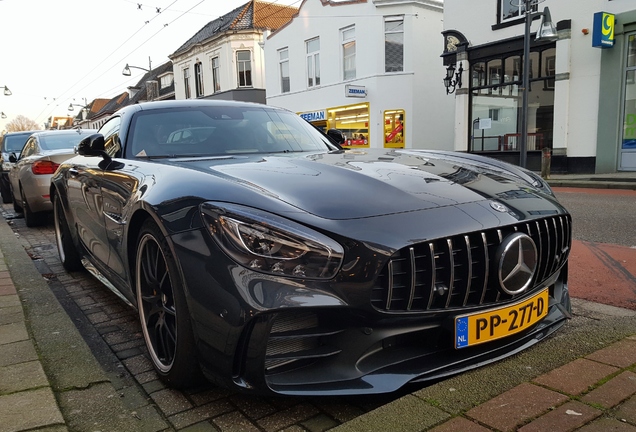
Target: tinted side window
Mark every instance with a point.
(110, 130)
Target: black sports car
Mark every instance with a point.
(270, 259)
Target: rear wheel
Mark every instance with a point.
(31, 219)
(163, 311)
(69, 255)
(6, 192)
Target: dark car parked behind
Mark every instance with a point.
(12, 142)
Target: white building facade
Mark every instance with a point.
(370, 68)
(224, 60)
(582, 94)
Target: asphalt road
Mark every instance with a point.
(601, 215)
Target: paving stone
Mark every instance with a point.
(319, 423)
(565, 418)
(407, 414)
(22, 376)
(138, 364)
(627, 410)
(621, 354)
(201, 427)
(614, 391)
(516, 406)
(459, 424)
(288, 417)
(235, 422)
(253, 407)
(39, 404)
(608, 425)
(342, 412)
(171, 401)
(11, 315)
(7, 289)
(17, 352)
(201, 413)
(576, 377)
(10, 333)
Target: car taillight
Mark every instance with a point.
(44, 167)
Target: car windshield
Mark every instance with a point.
(220, 130)
(15, 143)
(60, 141)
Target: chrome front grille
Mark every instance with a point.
(458, 271)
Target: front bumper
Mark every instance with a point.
(341, 351)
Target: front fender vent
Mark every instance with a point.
(296, 338)
(458, 271)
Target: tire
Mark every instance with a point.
(69, 256)
(7, 196)
(163, 311)
(16, 204)
(30, 218)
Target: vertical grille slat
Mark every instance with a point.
(469, 276)
(456, 271)
(413, 272)
(451, 268)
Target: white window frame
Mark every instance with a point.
(241, 69)
(186, 82)
(313, 63)
(283, 69)
(216, 74)
(387, 33)
(520, 13)
(348, 39)
(198, 79)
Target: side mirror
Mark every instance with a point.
(336, 135)
(92, 145)
(13, 158)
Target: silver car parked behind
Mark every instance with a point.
(30, 176)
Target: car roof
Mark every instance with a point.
(185, 103)
(62, 132)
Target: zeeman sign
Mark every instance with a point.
(603, 31)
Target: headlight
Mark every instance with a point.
(271, 244)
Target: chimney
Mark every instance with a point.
(152, 90)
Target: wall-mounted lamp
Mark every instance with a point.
(453, 79)
(7, 92)
(126, 71)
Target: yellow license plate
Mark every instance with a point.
(494, 324)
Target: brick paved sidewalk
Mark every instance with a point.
(594, 393)
(26, 398)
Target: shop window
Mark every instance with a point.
(349, 53)
(283, 68)
(216, 75)
(244, 68)
(186, 82)
(198, 79)
(394, 44)
(394, 128)
(353, 122)
(313, 62)
(496, 101)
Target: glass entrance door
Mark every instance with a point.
(628, 143)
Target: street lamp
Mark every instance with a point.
(126, 71)
(546, 32)
(3, 115)
(7, 92)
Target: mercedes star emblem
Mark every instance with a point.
(517, 262)
(498, 207)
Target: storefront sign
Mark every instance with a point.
(355, 91)
(603, 31)
(313, 115)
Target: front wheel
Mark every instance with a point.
(69, 256)
(163, 311)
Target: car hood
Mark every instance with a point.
(358, 184)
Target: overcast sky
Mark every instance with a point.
(53, 53)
